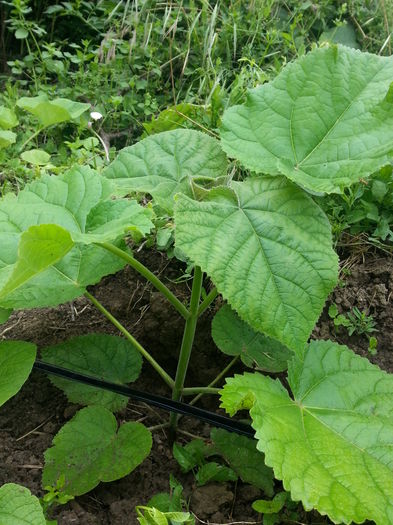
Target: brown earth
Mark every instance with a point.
(29, 421)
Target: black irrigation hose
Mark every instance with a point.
(158, 401)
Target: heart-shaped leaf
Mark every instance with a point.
(48, 231)
(325, 121)
(16, 362)
(267, 247)
(19, 507)
(105, 356)
(90, 448)
(167, 163)
(332, 444)
(235, 337)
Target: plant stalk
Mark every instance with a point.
(215, 381)
(199, 390)
(155, 281)
(168, 380)
(37, 132)
(207, 301)
(187, 342)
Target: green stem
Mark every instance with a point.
(207, 301)
(31, 138)
(199, 390)
(188, 339)
(155, 281)
(168, 380)
(215, 380)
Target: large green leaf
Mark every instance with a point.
(47, 234)
(7, 138)
(5, 314)
(325, 121)
(39, 248)
(332, 444)
(235, 337)
(16, 362)
(19, 507)
(243, 457)
(106, 356)
(168, 163)
(7, 118)
(267, 247)
(54, 111)
(37, 157)
(90, 448)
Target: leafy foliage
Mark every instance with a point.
(213, 471)
(19, 507)
(168, 163)
(90, 448)
(278, 269)
(331, 443)
(153, 516)
(45, 264)
(235, 337)
(243, 457)
(324, 122)
(16, 362)
(51, 112)
(106, 356)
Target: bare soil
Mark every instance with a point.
(29, 421)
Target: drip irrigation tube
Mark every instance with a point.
(158, 401)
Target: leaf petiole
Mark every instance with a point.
(166, 377)
(145, 272)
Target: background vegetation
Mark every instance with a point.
(131, 60)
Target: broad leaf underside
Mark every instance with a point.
(332, 444)
(168, 163)
(267, 247)
(47, 233)
(325, 122)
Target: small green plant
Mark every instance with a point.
(54, 496)
(325, 122)
(356, 322)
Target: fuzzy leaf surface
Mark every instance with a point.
(168, 163)
(105, 356)
(19, 507)
(235, 337)
(41, 222)
(16, 362)
(90, 448)
(267, 247)
(243, 457)
(332, 443)
(324, 122)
